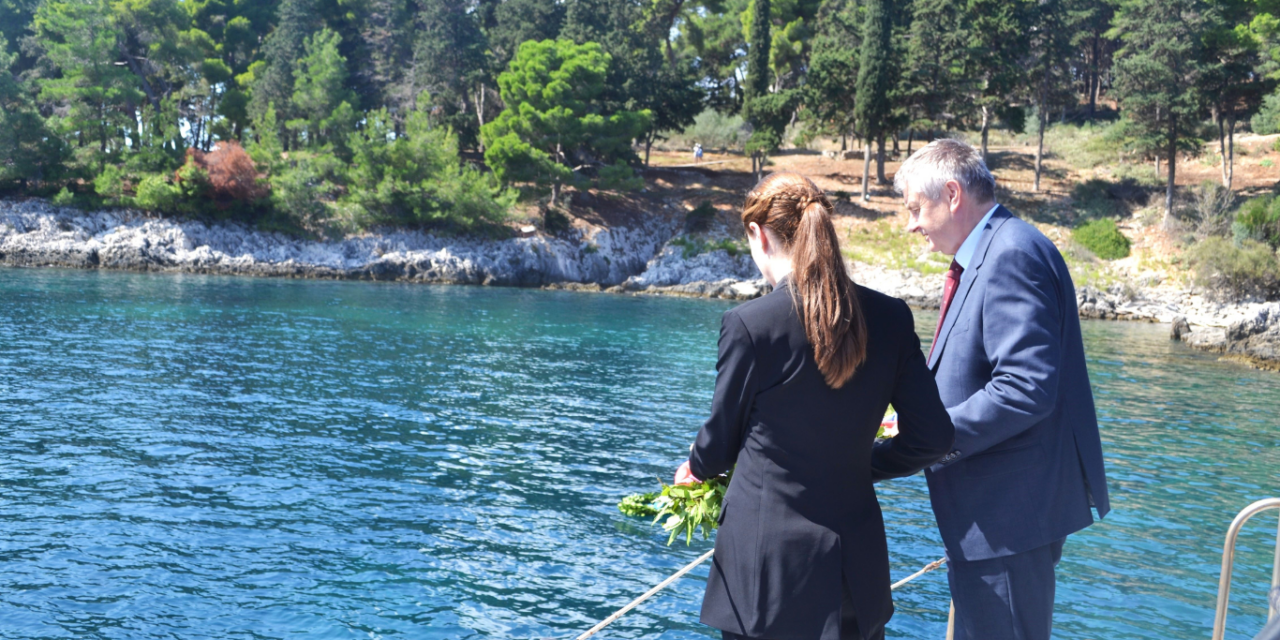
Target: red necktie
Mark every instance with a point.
(948, 292)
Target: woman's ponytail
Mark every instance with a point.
(823, 292)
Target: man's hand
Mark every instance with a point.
(684, 476)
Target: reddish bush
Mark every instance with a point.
(232, 173)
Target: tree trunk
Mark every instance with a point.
(866, 170)
(1042, 117)
(480, 113)
(1173, 166)
(896, 150)
(137, 71)
(1093, 79)
(1158, 159)
(911, 135)
(844, 142)
(1231, 149)
(880, 179)
(986, 131)
(648, 144)
(1219, 119)
(555, 185)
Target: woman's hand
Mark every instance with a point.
(684, 476)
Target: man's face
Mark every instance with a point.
(935, 220)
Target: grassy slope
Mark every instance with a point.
(874, 233)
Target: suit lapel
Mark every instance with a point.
(966, 281)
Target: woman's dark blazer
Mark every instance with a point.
(801, 515)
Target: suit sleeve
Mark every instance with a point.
(1022, 317)
(925, 433)
(716, 449)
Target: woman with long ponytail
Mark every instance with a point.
(804, 377)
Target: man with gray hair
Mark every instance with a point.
(1009, 361)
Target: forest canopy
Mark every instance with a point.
(334, 115)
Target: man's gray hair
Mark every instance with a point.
(929, 169)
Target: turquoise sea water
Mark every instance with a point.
(201, 457)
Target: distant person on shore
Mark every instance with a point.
(697, 152)
(1009, 360)
(803, 380)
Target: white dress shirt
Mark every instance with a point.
(964, 255)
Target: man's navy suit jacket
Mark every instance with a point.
(800, 519)
(1009, 361)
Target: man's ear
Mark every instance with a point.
(955, 195)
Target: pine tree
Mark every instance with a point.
(998, 37)
(876, 78)
(719, 43)
(320, 94)
(1089, 23)
(386, 36)
(510, 23)
(641, 76)
(830, 99)
(273, 81)
(449, 61)
(553, 118)
(29, 152)
(935, 57)
(759, 43)
(1158, 71)
(96, 97)
(1051, 47)
(1231, 80)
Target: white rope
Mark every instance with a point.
(703, 558)
(927, 568)
(648, 594)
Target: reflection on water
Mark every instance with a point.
(196, 457)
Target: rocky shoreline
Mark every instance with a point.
(641, 259)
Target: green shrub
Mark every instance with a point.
(1259, 219)
(418, 179)
(110, 183)
(156, 193)
(555, 222)
(193, 181)
(700, 218)
(1103, 238)
(714, 130)
(1267, 120)
(64, 198)
(303, 188)
(1229, 271)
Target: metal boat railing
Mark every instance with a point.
(1228, 562)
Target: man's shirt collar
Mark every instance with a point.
(964, 255)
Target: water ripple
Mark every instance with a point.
(200, 457)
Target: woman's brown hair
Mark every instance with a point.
(799, 213)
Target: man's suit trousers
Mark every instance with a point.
(1006, 598)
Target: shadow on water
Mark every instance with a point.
(205, 457)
